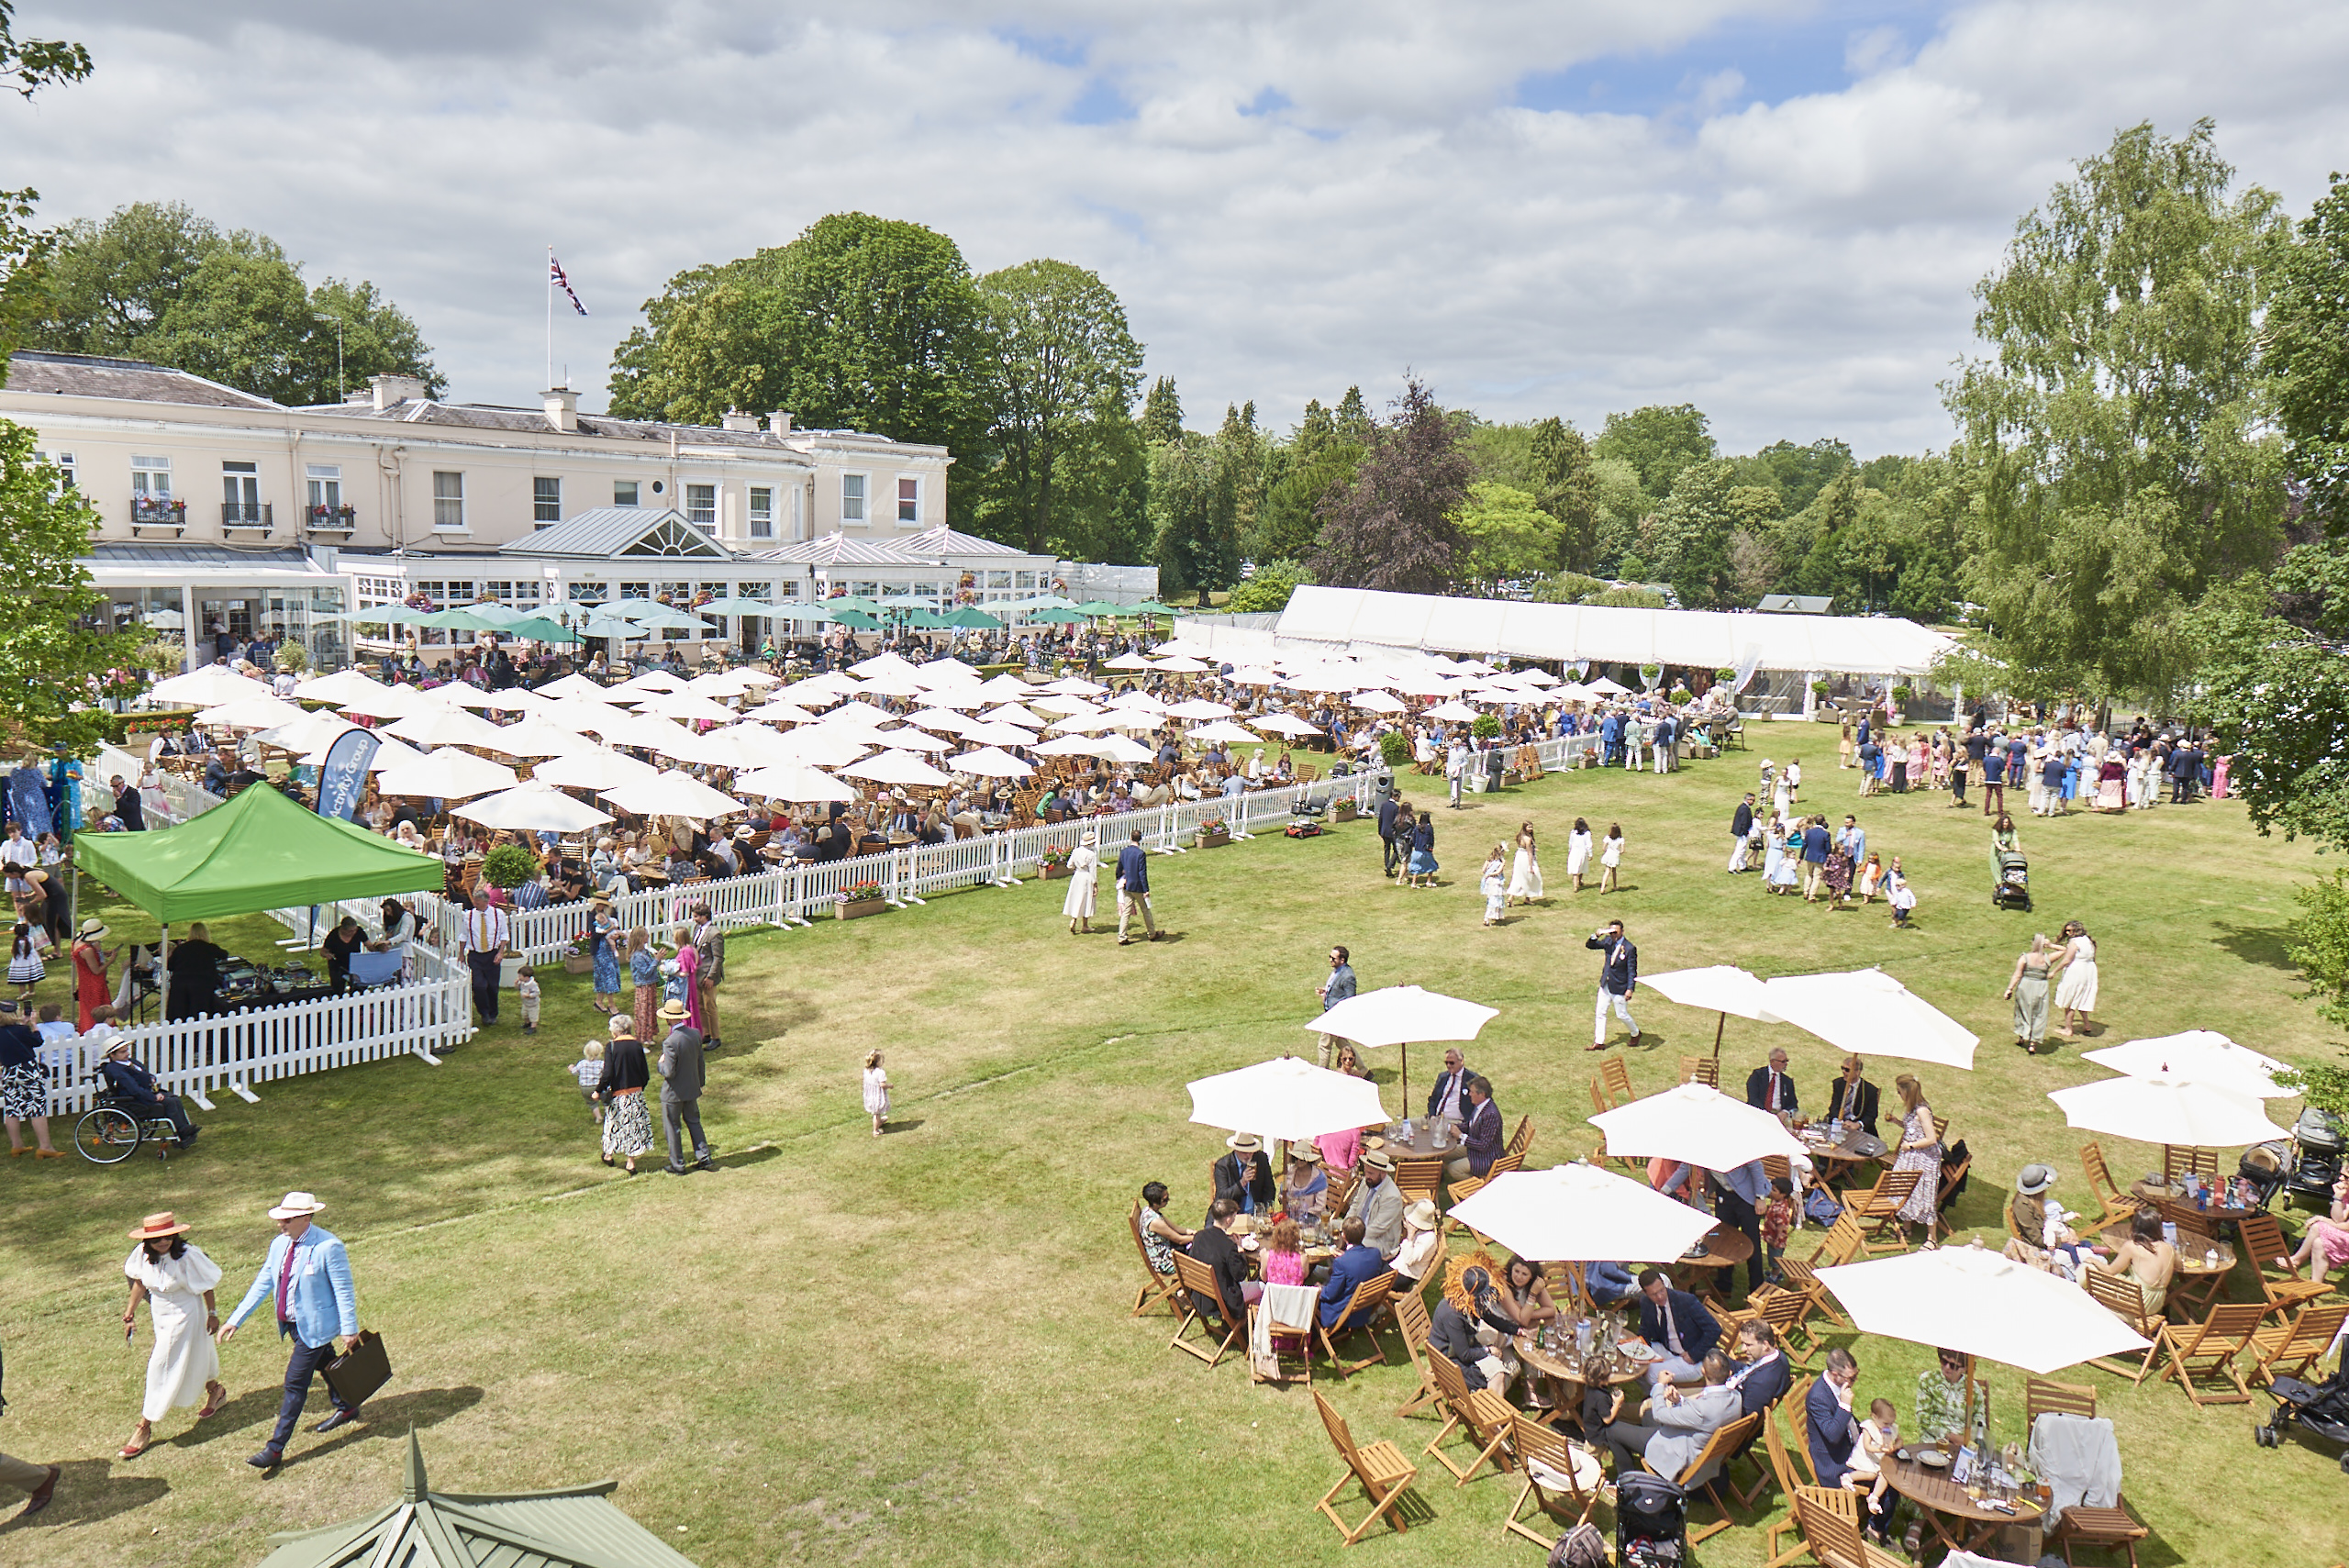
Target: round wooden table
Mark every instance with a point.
(1938, 1498)
(1725, 1247)
(2194, 1261)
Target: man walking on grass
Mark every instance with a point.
(1619, 976)
(307, 1275)
(682, 1080)
(1133, 888)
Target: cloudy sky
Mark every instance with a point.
(1771, 208)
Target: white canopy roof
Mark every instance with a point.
(1711, 638)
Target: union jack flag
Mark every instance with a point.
(562, 282)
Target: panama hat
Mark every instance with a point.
(1244, 1142)
(295, 1206)
(92, 927)
(1420, 1215)
(1305, 1149)
(158, 1225)
(1379, 1159)
(673, 1010)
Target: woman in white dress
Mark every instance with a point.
(1611, 857)
(1083, 864)
(1578, 852)
(176, 1280)
(2076, 979)
(1525, 870)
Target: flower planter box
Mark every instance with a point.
(1211, 840)
(1054, 873)
(578, 963)
(1346, 812)
(859, 908)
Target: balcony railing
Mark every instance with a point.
(339, 519)
(157, 512)
(245, 514)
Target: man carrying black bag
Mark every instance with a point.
(308, 1273)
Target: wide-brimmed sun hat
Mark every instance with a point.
(1420, 1215)
(295, 1206)
(156, 1225)
(1378, 1159)
(92, 927)
(1244, 1142)
(2035, 1179)
(673, 1010)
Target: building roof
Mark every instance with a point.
(605, 533)
(839, 549)
(576, 1527)
(942, 540)
(176, 553)
(502, 417)
(95, 375)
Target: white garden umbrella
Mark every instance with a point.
(942, 721)
(1697, 1125)
(895, 684)
(1720, 988)
(596, 769)
(1069, 746)
(389, 754)
(1283, 724)
(1978, 1302)
(538, 735)
(910, 740)
(1606, 687)
(311, 732)
(822, 747)
(1377, 702)
(572, 686)
(721, 683)
(1397, 1014)
(584, 714)
(794, 782)
(687, 707)
(1200, 708)
(1076, 685)
(988, 733)
(519, 699)
(2166, 1110)
(343, 687)
(447, 727)
(1454, 711)
(990, 763)
(1288, 1098)
(447, 775)
(674, 793)
(649, 681)
(2204, 1056)
(651, 733)
(264, 712)
(208, 687)
(1183, 665)
(758, 745)
(1002, 688)
(1141, 702)
(1126, 661)
(895, 768)
(1012, 713)
(883, 662)
(1118, 748)
(1867, 1010)
(535, 806)
(1576, 1213)
(1231, 734)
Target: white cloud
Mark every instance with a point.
(1294, 199)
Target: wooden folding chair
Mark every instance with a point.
(2119, 1295)
(1369, 1298)
(1156, 1287)
(2040, 1397)
(1289, 1366)
(1482, 1414)
(1951, 1177)
(1714, 1456)
(1559, 1478)
(2290, 1348)
(2116, 1204)
(1879, 1210)
(1420, 1176)
(1380, 1467)
(2109, 1530)
(1522, 1138)
(2179, 1161)
(1941, 1130)
(1789, 1312)
(1616, 1074)
(1411, 1319)
(1341, 1189)
(2263, 1240)
(1452, 1220)
(1843, 1242)
(2209, 1349)
(1705, 1070)
(1830, 1525)
(1198, 1284)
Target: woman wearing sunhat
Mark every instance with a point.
(603, 931)
(91, 963)
(176, 1280)
(1083, 878)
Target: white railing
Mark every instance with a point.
(185, 799)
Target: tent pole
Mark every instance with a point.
(73, 909)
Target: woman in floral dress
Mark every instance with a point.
(644, 973)
(1921, 1151)
(602, 927)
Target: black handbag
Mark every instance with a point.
(359, 1369)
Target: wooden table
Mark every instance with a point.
(1938, 1498)
(1422, 1145)
(1838, 1160)
(1725, 1247)
(2194, 1248)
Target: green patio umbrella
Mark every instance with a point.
(381, 615)
(651, 612)
(856, 618)
(612, 625)
(733, 606)
(1059, 617)
(1101, 607)
(538, 629)
(496, 614)
(973, 617)
(460, 619)
(1152, 607)
(924, 620)
(853, 602)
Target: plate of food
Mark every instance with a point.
(1932, 1459)
(1637, 1349)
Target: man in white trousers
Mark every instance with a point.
(1619, 976)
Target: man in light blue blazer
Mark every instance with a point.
(308, 1273)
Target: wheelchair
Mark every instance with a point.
(115, 1129)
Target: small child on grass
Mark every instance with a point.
(876, 1092)
(1778, 1222)
(526, 990)
(589, 1070)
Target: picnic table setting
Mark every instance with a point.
(2057, 1483)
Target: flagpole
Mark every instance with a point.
(549, 281)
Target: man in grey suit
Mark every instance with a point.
(1378, 1204)
(1678, 1425)
(680, 1085)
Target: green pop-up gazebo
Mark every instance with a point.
(259, 851)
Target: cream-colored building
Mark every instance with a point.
(235, 516)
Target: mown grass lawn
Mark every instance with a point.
(916, 1348)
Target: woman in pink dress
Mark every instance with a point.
(2219, 778)
(689, 971)
(1920, 763)
(1284, 1264)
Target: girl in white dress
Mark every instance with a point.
(2076, 979)
(876, 1092)
(1610, 856)
(1083, 866)
(1493, 884)
(1525, 872)
(1578, 852)
(176, 1280)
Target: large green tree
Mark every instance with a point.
(2118, 427)
(156, 282)
(1658, 443)
(1288, 523)
(1691, 543)
(1162, 412)
(1504, 534)
(861, 322)
(2308, 358)
(1194, 514)
(1063, 371)
(2275, 687)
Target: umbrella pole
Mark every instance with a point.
(1717, 1035)
(1407, 1079)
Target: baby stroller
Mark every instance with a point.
(1651, 1522)
(2013, 890)
(2321, 1409)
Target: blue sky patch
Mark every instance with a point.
(1776, 59)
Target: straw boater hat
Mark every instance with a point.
(1244, 1142)
(160, 1225)
(294, 1206)
(2035, 1179)
(1305, 1151)
(673, 1010)
(1420, 1215)
(92, 928)
(1378, 1159)
(745, 832)
(119, 1046)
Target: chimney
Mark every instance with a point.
(779, 423)
(563, 409)
(391, 391)
(735, 419)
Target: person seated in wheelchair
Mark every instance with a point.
(139, 1093)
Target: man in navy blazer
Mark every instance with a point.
(1676, 1323)
(1133, 889)
(1768, 1088)
(1450, 1096)
(1349, 1269)
(1829, 1426)
(1390, 805)
(1763, 1376)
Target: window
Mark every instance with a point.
(788, 591)
(240, 493)
(865, 590)
(498, 588)
(64, 464)
(1023, 579)
(851, 497)
(701, 505)
(585, 593)
(762, 592)
(150, 477)
(998, 579)
(546, 501)
(636, 590)
(623, 492)
(524, 594)
(449, 501)
(761, 512)
(909, 500)
(325, 491)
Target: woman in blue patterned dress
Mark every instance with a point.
(601, 926)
